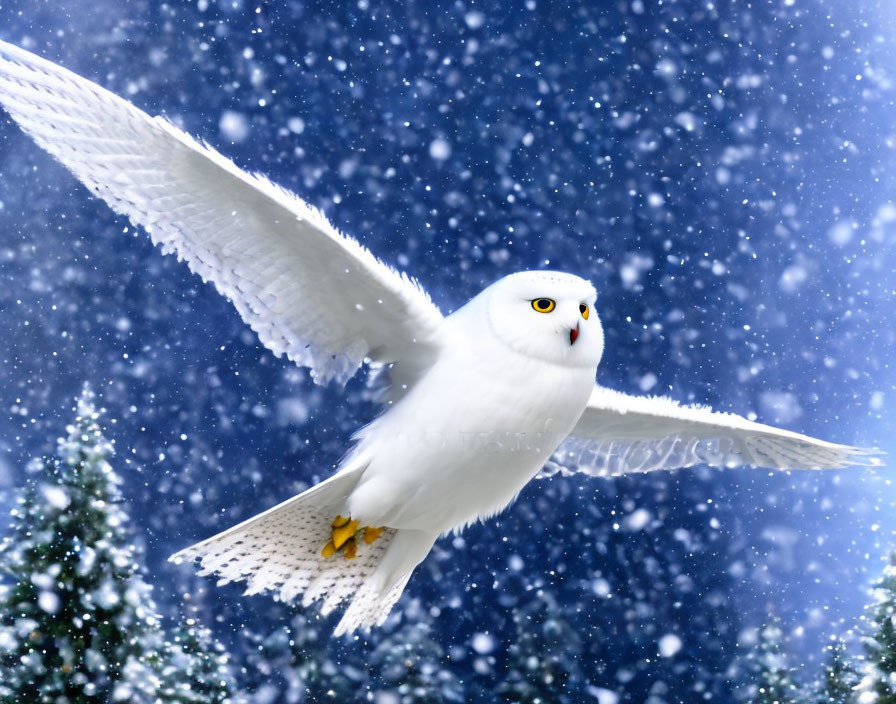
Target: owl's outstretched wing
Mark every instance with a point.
(620, 434)
(307, 290)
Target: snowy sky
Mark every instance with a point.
(724, 174)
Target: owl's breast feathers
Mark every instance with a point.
(462, 443)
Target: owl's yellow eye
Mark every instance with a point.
(583, 309)
(544, 305)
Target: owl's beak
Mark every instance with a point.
(574, 334)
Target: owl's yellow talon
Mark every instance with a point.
(343, 533)
(371, 534)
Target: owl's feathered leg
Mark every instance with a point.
(280, 551)
(374, 600)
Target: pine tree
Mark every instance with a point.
(302, 653)
(772, 681)
(77, 622)
(879, 675)
(838, 678)
(323, 678)
(196, 666)
(543, 660)
(411, 665)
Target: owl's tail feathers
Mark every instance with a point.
(280, 551)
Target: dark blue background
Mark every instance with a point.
(723, 173)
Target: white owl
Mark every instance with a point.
(478, 403)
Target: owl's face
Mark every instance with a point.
(547, 315)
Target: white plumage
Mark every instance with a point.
(277, 258)
(479, 402)
(620, 434)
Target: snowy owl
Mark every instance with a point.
(478, 401)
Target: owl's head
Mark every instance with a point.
(547, 315)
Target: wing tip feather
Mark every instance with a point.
(867, 457)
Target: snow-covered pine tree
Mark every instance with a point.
(324, 676)
(77, 621)
(878, 683)
(196, 667)
(543, 659)
(298, 662)
(838, 677)
(409, 664)
(772, 682)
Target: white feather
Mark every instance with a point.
(279, 551)
(620, 434)
(307, 290)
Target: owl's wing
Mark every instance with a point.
(620, 434)
(307, 290)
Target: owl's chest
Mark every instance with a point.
(475, 408)
(511, 392)
(469, 436)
